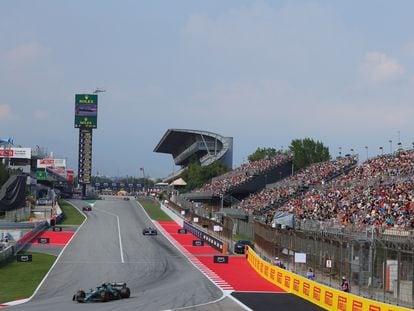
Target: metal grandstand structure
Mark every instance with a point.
(185, 144)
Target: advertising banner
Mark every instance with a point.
(220, 259)
(24, 258)
(41, 175)
(16, 153)
(324, 296)
(58, 163)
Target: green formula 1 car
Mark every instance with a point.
(103, 293)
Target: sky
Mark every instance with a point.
(262, 72)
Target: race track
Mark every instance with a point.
(110, 247)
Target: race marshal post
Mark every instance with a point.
(86, 115)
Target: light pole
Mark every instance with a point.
(143, 175)
(366, 147)
(390, 141)
(352, 151)
(382, 150)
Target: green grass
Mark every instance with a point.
(72, 217)
(154, 211)
(20, 279)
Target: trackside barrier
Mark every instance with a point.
(210, 240)
(177, 218)
(6, 253)
(20, 244)
(39, 227)
(314, 292)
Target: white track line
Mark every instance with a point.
(119, 233)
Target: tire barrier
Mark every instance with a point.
(314, 292)
(207, 238)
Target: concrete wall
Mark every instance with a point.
(177, 218)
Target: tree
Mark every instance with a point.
(262, 153)
(196, 175)
(307, 151)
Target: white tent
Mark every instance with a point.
(179, 182)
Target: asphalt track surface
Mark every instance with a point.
(159, 276)
(110, 247)
(272, 301)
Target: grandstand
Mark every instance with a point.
(360, 214)
(184, 145)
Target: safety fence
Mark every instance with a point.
(314, 292)
(209, 239)
(378, 267)
(184, 217)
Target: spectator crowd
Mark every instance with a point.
(379, 192)
(269, 199)
(222, 184)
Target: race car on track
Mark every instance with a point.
(240, 246)
(103, 293)
(86, 208)
(149, 231)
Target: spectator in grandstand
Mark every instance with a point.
(277, 262)
(345, 285)
(310, 274)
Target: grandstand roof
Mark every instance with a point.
(207, 146)
(173, 139)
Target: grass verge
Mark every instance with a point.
(20, 279)
(154, 210)
(72, 217)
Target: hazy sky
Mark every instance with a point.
(262, 72)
